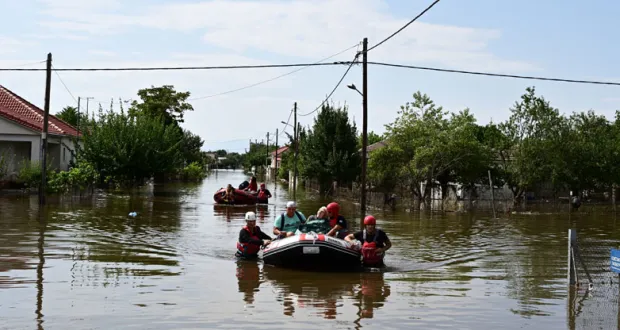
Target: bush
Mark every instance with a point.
(193, 172)
(82, 176)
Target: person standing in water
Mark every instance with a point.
(251, 238)
(374, 243)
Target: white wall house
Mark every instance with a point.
(21, 128)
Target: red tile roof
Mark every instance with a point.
(24, 113)
(280, 151)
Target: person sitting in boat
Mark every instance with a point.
(287, 223)
(253, 187)
(374, 243)
(263, 193)
(336, 221)
(318, 223)
(251, 238)
(229, 194)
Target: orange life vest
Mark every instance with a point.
(262, 194)
(369, 251)
(247, 249)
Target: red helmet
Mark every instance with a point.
(262, 185)
(370, 220)
(333, 207)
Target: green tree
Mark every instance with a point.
(329, 151)
(132, 148)
(190, 148)
(69, 115)
(163, 102)
(535, 138)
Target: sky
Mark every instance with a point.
(553, 38)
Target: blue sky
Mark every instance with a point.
(569, 39)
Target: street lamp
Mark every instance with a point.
(285, 123)
(352, 86)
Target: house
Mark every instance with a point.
(21, 130)
(277, 161)
(373, 147)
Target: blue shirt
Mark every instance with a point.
(290, 224)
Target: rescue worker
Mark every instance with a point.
(229, 194)
(263, 193)
(253, 187)
(336, 221)
(374, 243)
(251, 238)
(286, 224)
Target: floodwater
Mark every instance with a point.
(85, 264)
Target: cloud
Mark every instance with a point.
(611, 99)
(12, 45)
(300, 28)
(104, 53)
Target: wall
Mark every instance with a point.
(14, 153)
(61, 149)
(10, 131)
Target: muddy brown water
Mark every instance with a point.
(85, 264)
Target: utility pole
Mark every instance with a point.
(295, 129)
(275, 175)
(77, 148)
(48, 85)
(364, 128)
(267, 159)
(88, 99)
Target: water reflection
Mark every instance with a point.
(249, 279)
(326, 292)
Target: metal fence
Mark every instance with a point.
(593, 301)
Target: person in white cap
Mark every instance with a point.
(286, 224)
(251, 238)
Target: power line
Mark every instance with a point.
(404, 26)
(27, 64)
(336, 87)
(221, 67)
(63, 83)
(496, 74)
(271, 79)
(287, 121)
(331, 64)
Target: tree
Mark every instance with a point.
(535, 141)
(130, 149)
(190, 148)
(329, 150)
(163, 102)
(69, 115)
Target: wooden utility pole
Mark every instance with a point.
(48, 85)
(275, 175)
(77, 148)
(364, 129)
(267, 159)
(296, 139)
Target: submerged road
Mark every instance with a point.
(81, 264)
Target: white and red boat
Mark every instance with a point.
(313, 252)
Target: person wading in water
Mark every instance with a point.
(251, 238)
(374, 243)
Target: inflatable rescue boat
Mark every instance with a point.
(241, 197)
(312, 251)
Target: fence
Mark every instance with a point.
(457, 199)
(593, 288)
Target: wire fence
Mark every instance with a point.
(593, 301)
